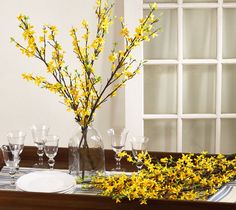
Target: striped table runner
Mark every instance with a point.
(226, 194)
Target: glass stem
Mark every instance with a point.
(139, 165)
(40, 160)
(51, 163)
(12, 175)
(40, 153)
(118, 165)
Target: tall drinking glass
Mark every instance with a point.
(39, 134)
(139, 145)
(118, 138)
(51, 148)
(11, 161)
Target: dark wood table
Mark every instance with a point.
(12, 200)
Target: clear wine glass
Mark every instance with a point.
(39, 133)
(16, 143)
(51, 148)
(11, 161)
(139, 144)
(118, 138)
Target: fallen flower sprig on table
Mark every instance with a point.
(191, 177)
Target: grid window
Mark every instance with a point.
(187, 100)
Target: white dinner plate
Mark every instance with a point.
(46, 181)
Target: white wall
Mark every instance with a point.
(23, 104)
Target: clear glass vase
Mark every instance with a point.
(86, 154)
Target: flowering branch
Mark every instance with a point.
(191, 177)
(82, 91)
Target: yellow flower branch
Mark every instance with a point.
(83, 91)
(191, 177)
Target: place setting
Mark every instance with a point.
(39, 178)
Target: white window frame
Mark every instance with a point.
(134, 104)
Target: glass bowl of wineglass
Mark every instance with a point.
(39, 133)
(16, 141)
(51, 148)
(139, 145)
(118, 138)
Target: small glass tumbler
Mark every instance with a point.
(51, 148)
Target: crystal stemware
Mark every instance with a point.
(11, 161)
(39, 133)
(51, 148)
(16, 143)
(139, 145)
(118, 138)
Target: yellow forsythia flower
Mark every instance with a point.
(27, 76)
(153, 6)
(38, 80)
(84, 23)
(112, 57)
(125, 32)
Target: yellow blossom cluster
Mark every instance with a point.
(28, 35)
(191, 177)
(82, 90)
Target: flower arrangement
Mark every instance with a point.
(191, 177)
(83, 91)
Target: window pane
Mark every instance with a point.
(160, 1)
(162, 134)
(160, 89)
(199, 86)
(165, 45)
(228, 133)
(197, 1)
(198, 135)
(199, 33)
(229, 33)
(229, 88)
